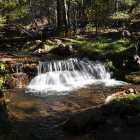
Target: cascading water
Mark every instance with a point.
(69, 74)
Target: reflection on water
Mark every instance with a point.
(43, 117)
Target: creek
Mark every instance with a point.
(60, 89)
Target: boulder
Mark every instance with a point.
(130, 91)
(63, 50)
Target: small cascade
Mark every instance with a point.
(19, 67)
(20, 77)
(18, 70)
(70, 74)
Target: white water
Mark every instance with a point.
(70, 74)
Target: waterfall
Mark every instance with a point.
(69, 74)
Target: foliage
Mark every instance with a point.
(129, 99)
(120, 15)
(3, 75)
(92, 11)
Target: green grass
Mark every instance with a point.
(115, 52)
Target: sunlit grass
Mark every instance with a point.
(129, 99)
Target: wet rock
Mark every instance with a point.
(63, 50)
(19, 80)
(80, 121)
(30, 69)
(129, 110)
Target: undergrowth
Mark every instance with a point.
(3, 75)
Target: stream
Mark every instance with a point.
(43, 118)
(41, 109)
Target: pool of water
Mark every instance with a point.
(43, 118)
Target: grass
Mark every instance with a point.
(116, 53)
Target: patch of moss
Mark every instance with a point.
(129, 99)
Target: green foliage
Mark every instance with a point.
(129, 99)
(120, 15)
(2, 68)
(3, 75)
(127, 2)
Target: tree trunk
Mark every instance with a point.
(65, 16)
(68, 13)
(97, 20)
(59, 16)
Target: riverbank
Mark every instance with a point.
(118, 119)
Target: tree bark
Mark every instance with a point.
(68, 13)
(59, 16)
(65, 16)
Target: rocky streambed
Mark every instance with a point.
(50, 117)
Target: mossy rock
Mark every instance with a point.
(133, 77)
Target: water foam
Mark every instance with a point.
(70, 74)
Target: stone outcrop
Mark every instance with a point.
(17, 80)
(63, 50)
